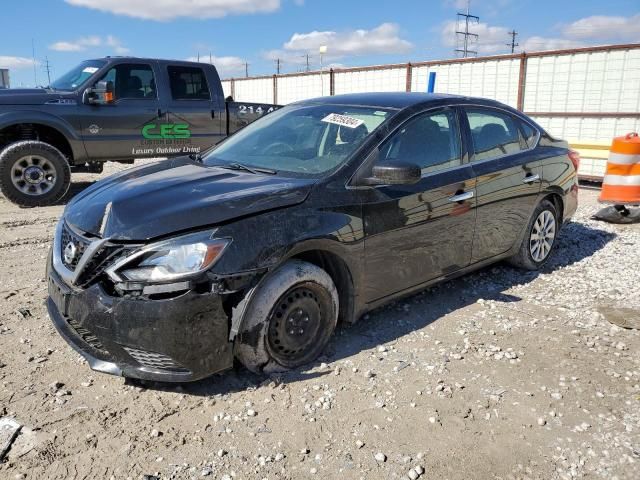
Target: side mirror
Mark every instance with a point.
(100, 94)
(396, 173)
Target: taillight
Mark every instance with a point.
(575, 158)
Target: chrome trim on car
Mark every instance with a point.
(71, 277)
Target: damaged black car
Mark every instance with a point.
(312, 215)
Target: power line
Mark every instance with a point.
(465, 36)
(513, 43)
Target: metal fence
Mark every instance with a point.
(585, 95)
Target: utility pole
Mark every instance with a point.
(246, 69)
(278, 63)
(210, 59)
(513, 43)
(465, 36)
(47, 67)
(308, 64)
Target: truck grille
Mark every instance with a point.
(156, 361)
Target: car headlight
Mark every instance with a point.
(169, 260)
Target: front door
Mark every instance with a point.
(116, 131)
(508, 175)
(416, 233)
(192, 108)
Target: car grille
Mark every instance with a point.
(88, 337)
(71, 238)
(156, 361)
(99, 261)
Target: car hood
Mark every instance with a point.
(32, 96)
(175, 195)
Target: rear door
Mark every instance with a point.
(115, 131)
(509, 179)
(416, 233)
(194, 107)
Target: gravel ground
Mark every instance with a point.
(500, 374)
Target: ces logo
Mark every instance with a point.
(152, 131)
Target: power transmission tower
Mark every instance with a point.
(464, 37)
(47, 67)
(513, 43)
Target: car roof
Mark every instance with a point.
(400, 100)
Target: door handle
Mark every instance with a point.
(461, 197)
(531, 178)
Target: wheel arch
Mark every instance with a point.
(15, 126)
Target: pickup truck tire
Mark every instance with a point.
(288, 318)
(33, 173)
(540, 238)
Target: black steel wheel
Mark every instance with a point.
(288, 318)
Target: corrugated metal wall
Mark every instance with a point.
(586, 95)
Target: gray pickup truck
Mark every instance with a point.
(110, 109)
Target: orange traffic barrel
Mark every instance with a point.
(621, 184)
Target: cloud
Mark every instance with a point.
(84, 43)
(225, 65)
(16, 63)
(163, 10)
(383, 39)
(533, 44)
(602, 27)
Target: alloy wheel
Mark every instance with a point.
(33, 175)
(543, 235)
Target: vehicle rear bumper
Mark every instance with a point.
(173, 340)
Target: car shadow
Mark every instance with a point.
(397, 319)
(74, 189)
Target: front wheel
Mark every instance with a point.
(288, 318)
(540, 238)
(33, 173)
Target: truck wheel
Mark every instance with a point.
(541, 236)
(33, 173)
(288, 320)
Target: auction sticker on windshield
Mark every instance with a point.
(343, 120)
(90, 69)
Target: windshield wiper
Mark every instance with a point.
(240, 166)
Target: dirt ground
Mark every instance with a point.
(500, 374)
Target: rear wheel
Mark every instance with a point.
(33, 173)
(540, 238)
(288, 318)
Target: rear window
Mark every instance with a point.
(495, 134)
(188, 83)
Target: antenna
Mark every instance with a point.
(513, 43)
(464, 36)
(33, 58)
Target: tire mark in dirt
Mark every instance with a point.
(25, 241)
(24, 223)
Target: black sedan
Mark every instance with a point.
(314, 214)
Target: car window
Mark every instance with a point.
(530, 134)
(494, 134)
(132, 81)
(301, 140)
(431, 140)
(188, 83)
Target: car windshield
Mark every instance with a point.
(77, 76)
(302, 140)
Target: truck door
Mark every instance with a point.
(116, 131)
(194, 107)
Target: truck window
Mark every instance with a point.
(132, 80)
(188, 83)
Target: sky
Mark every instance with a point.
(233, 33)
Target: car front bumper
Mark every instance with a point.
(181, 339)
